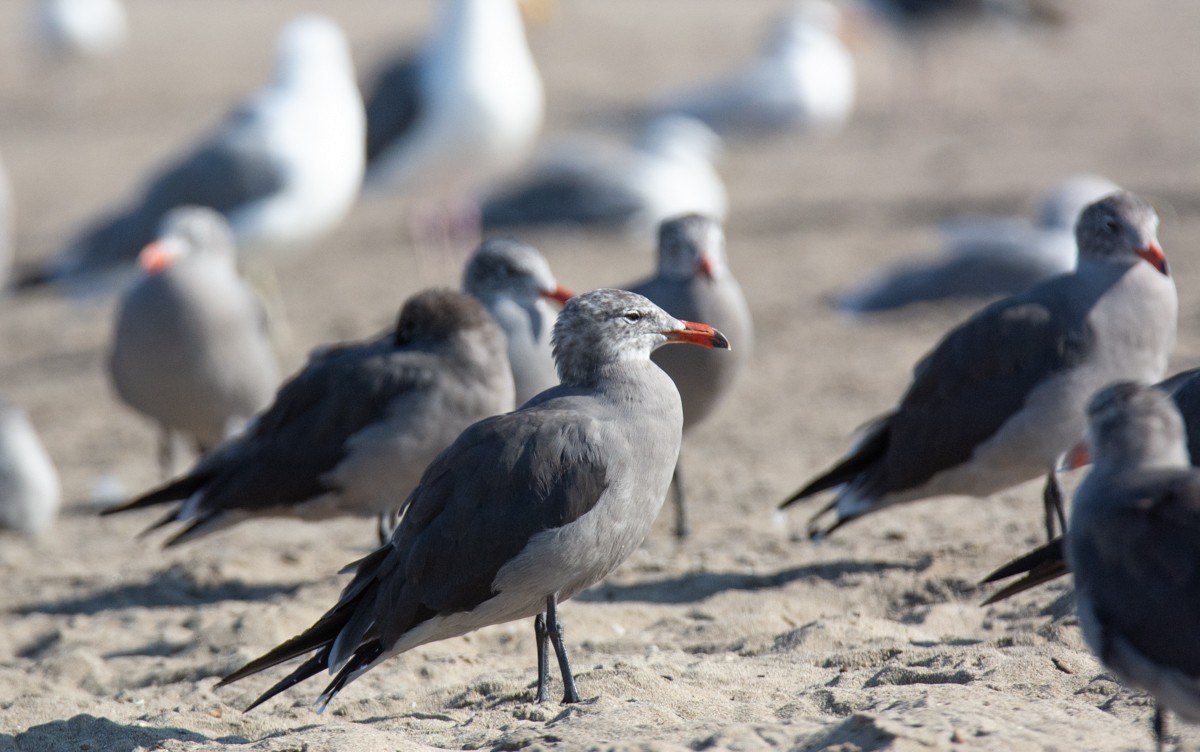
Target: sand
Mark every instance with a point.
(746, 637)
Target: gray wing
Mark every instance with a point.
(304, 434)
(394, 104)
(564, 195)
(229, 171)
(964, 391)
(1140, 566)
(504, 480)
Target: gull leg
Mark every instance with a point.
(1160, 726)
(385, 527)
(542, 638)
(679, 500)
(168, 455)
(555, 630)
(1052, 502)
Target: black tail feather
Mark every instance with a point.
(362, 657)
(861, 458)
(176, 490)
(308, 669)
(1045, 563)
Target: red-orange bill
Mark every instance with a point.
(698, 334)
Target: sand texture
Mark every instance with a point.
(746, 637)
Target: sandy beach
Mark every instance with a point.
(747, 636)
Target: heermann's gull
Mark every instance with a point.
(667, 171)
(351, 433)
(523, 510)
(283, 168)
(693, 281)
(1048, 561)
(78, 28)
(513, 281)
(1002, 396)
(802, 79)
(1132, 545)
(29, 490)
(190, 348)
(466, 108)
(984, 257)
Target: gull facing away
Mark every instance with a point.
(351, 432)
(514, 283)
(1048, 561)
(284, 168)
(803, 79)
(1002, 396)
(984, 257)
(667, 171)
(464, 109)
(693, 281)
(523, 510)
(190, 347)
(1133, 546)
(30, 494)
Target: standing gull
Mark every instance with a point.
(78, 28)
(667, 171)
(803, 79)
(523, 510)
(1133, 545)
(351, 433)
(693, 281)
(30, 494)
(984, 257)
(465, 109)
(1002, 396)
(1048, 561)
(283, 168)
(190, 348)
(514, 282)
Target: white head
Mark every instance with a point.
(1060, 208)
(679, 136)
(506, 267)
(689, 246)
(1120, 228)
(312, 47)
(189, 232)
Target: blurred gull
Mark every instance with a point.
(78, 28)
(284, 168)
(351, 433)
(803, 78)
(29, 490)
(666, 172)
(463, 110)
(514, 283)
(917, 16)
(190, 348)
(984, 257)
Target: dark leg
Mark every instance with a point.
(385, 528)
(543, 651)
(555, 630)
(679, 499)
(1160, 726)
(1052, 501)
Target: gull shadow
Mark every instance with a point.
(172, 587)
(696, 586)
(89, 732)
(859, 732)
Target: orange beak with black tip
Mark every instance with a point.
(559, 294)
(697, 334)
(1154, 255)
(1079, 456)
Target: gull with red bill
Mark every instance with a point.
(693, 280)
(1001, 398)
(523, 510)
(515, 285)
(190, 349)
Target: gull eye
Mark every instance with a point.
(633, 315)
(1112, 226)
